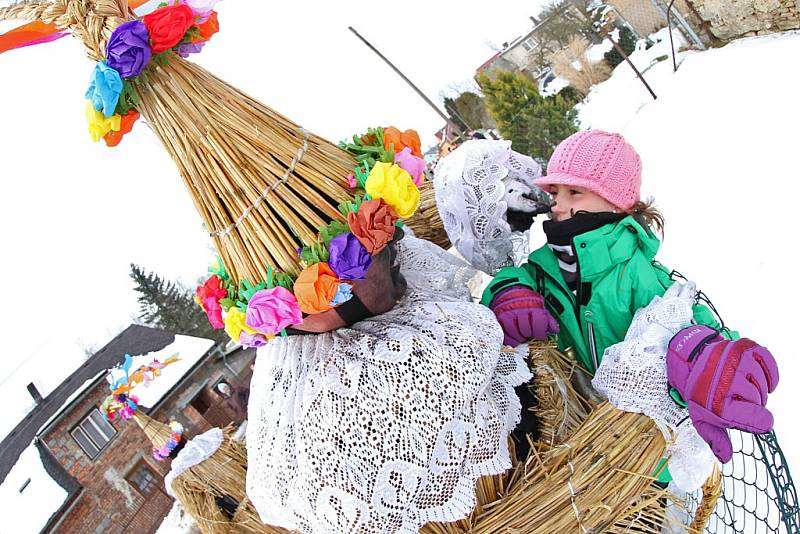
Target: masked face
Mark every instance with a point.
(378, 293)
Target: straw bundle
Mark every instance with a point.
(261, 184)
(426, 223)
(222, 475)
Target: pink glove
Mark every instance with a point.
(522, 315)
(725, 384)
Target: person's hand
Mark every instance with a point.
(724, 382)
(522, 315)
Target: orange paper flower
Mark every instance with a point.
(373, 225)
(207, 29)
(113, 138)
(394, 137)
(315, 288)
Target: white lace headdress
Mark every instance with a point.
(475, 185)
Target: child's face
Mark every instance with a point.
(569, 200)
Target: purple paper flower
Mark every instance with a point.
(184, 49)
(348, 257)
(128, 50)
(252, 340)
(343, 293)
(412, 164)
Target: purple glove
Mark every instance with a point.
(725, 384)
(522, 315)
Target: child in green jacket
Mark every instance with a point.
(598, 268)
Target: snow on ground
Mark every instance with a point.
(188, 349)
(614, 102)
(719, 150)
(177, 521)
(38, 501)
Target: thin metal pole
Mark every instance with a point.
(624, 55)
(405, 78)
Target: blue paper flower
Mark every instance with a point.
(343, 293)
(104, 88)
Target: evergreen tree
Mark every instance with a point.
(170, 306)
(452, 112)
(627, 41)
(534, 124)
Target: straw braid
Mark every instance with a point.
(91, 21)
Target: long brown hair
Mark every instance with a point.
(646, 212)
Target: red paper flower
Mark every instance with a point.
(167, 26)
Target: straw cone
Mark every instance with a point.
(261, 184)
(426, 223)
(157, 432)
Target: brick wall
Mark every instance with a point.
(730, 20)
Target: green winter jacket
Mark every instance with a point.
(618, 275)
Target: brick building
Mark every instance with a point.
(110, 481)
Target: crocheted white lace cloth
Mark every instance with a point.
(386, 425)
(475, 185)
(633, 377)
(196, 450)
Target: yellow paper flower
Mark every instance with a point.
(234, 324)
(395, 186)
(99, 124)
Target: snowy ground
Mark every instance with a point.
(718, 148)
(177, 522)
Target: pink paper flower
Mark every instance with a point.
(214, 312)
(412, 164)
(351, 181)
(201, 8)
(271, 310)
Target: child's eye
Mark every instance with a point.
(574, 192)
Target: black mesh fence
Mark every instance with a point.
(758, 494)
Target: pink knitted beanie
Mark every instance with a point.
(599, 161)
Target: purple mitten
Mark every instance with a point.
(724, 382)
(522, 315)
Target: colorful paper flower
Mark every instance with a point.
(351, 181)
(212, 288)
(235, 324)
(269, 311)
(348, 258)
(412, 164)
(253, 340)
(343, 293)
(397, 140)
(186, 49)
(167, 26)
(128, 50)
(105, 87)
(315, 288)
(99, 124)
(207, 29)
(114, 137)
(202, 9)
(214, 312)
(394, 186)
(373, 225)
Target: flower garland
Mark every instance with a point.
(385, 181)
(182, 28)
(175, 435)
(120, 403)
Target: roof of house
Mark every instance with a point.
(135, 339)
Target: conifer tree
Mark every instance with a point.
(170, 306)
(534, 124)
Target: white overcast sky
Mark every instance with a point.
(75, 214)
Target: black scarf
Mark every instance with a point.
(560, 236)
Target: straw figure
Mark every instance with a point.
(265, 188)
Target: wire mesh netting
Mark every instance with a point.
(758, 495)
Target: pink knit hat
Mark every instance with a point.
(599, 161)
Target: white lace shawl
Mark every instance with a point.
(471, 185)
(633, 377)
(386, 425)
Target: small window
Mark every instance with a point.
(143, 479)
(93, 433)
(528, 44)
